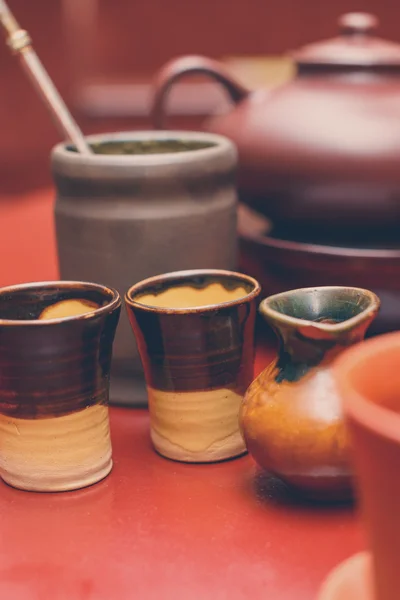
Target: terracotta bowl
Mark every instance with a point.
(281, 265)
(368, 380)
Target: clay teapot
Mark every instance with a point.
(322, 150)
(291, 417)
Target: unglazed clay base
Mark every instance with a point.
(351, 580)
(200, 426)
(56, 454)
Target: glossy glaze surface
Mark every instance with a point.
(55, 385)
(198, 359)
(291, 417)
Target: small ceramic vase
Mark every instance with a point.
(195, 334)
(368, 380)
(55, 355)
(291, 416)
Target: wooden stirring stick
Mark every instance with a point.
(20, 43)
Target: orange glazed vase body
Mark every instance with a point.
(291, 417)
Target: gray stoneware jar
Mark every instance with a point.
(167, 204)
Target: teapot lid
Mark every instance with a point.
(356, 45)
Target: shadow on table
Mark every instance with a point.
(272, 491)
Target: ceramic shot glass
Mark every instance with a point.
(368, 379)
(54, 385)
(195, 335)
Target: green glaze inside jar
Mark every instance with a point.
(140, 147)
(313, 325)
(329, 305)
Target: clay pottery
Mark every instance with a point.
(195, 334)
(291, 416)
(368, 380)
(55, 354)
(321, 150)
(142, 204)
(281, 264)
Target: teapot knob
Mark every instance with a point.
(358, 23)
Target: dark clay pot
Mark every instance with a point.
(322, 150)
(143, 204)
(291, 417)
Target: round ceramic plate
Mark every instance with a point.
(350, 580)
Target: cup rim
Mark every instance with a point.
(113, 303)
(187, 274)
(267, 311)
(378, 419)
(218, 144)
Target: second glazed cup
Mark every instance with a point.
(195, 334)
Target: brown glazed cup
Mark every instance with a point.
(195, 334)
(368, 379)
(54, 373)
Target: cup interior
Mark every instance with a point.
(192, 290)
(150, 146)
(322, 305)
(27, 302)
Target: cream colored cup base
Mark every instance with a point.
(56, 454)
(201, 426)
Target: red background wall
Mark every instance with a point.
(134, 39)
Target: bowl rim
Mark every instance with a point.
(307, 248)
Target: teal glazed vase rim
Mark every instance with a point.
(40, 286)
(275, 316)
(188, 275)
(375, 417)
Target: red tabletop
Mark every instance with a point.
(155, 529)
